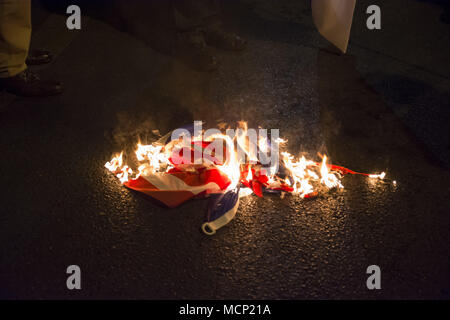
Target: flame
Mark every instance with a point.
(230, 167)
(327, 178)
(154, 155)
(304, 176)
(250, 174)
(243, 141)
(116, 166)
(299, 174)
(154, 158)
(263, 145)
(115, 163)
(303, 173)
(378, 176)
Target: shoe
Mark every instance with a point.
(28, 84)
(37, 57)
(218, 38)
(192, 50)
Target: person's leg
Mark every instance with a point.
(197, 13)
(151, 21)
(188, 45)
(154, 22)
(15, 34)
(205, 15)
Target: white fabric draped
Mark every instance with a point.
(333, 19)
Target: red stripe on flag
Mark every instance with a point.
(171, 198)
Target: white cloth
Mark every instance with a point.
(333, 19)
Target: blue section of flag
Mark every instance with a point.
(221, 203)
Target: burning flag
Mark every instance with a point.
(223, 168)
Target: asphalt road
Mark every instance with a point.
(59, 206)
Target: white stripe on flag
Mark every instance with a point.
(164, 181)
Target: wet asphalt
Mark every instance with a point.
(59, 205)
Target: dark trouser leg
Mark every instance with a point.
(152, 21)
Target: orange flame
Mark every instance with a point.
(304, 175)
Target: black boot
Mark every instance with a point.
(38, 56)
(28, 84)
(192, 50)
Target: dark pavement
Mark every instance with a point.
(381, 107)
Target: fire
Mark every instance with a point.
(246, 168)
(327, 178)
(299, 174)
(378, 176)
(250, 174)
(231, 167)
(303, 177)
(116, 166)
(115, 163)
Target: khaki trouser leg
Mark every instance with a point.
(15, 33)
